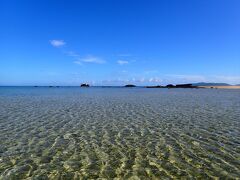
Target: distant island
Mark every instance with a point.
(130, 85)
(210, 84)
(174, 86)
(85, 85)
(169, 86)
(199, 85)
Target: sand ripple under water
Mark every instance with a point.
(137, 133)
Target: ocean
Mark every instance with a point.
(124, 133)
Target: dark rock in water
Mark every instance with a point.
(50, 86)
(129, 85)
(170, 86)
(35, 86)
(185, 86)
(84, 85)
(155, 86)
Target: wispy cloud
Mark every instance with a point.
(57, 43)
(186, 78)
(72, 54)
(93, 59)
(124, 55)
(151, 72)
(132, 80)
(155, 79)
(227, 79)
(76, 56)
(90, 59)
(122, 62)
(78, 62)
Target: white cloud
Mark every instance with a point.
(92, 59)
(79, 61)
(132, 80)
(122, 62)
(57, 43)
(155, 79)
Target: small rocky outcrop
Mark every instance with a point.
(130, 85)
(185, 86)
(85, 85)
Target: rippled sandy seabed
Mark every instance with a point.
(67, 133)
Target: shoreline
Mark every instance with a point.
(148, 87)
(220, 87)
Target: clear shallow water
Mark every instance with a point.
(51, 133)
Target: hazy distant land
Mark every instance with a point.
(217, 85)
(189, 85)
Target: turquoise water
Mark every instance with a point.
(124, 133)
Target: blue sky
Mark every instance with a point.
(114, 42)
